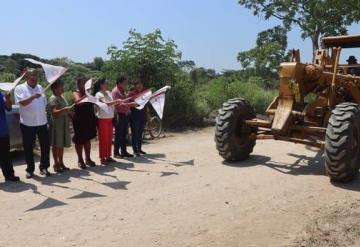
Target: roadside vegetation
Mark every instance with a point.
(196, 92)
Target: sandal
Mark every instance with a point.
(90, 163)
(81, 164)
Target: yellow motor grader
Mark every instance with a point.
(317, 105)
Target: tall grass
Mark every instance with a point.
(188, 104)
(218, 91)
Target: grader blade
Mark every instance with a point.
(282, 114)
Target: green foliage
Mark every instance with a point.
(202, 75)
(7, 77)
(186, 65)
(315, 18)
(269, 52)
(195, 92)
(182, 105)
(219, 90)
(147, 57)
(15, 63)
(98, 63)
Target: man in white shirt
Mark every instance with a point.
(33, 122)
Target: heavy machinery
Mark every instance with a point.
(317, 105)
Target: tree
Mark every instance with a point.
(316, 18)
(98, 63)
(269, 52)
(148, 57)
(202, 75)
(186, 65)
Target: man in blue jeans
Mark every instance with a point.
(122, 119)
(33, 122)
(5, 161)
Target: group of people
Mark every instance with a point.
(49, 120)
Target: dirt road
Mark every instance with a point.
(181, 194)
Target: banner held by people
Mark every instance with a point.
(157, 100)
(52, 72)
(10, 86)
(92, 99)
(142, 99)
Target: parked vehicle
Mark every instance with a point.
(13, 120)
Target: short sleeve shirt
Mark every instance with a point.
(33, 114)
(100, 112)
(4, 131)
(119, 93)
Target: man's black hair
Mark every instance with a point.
(56, 84)
(120, 79)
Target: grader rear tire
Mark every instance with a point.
(342, 143)
(232, 135)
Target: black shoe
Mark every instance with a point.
(45, 172)
(127, 155)
(81, 164)
(110, 160)
(12, 179)
(29, 174)
(117, 156)
(104, 162)
(90, 163)
(142, 152)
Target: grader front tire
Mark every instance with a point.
(342, 143)
(232, 136)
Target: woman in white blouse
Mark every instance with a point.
(105, 115)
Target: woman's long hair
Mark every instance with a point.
(97, 85)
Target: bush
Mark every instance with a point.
(181, 107)
(187, 104)
(220, 90)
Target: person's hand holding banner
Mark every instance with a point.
(156, 99)
(142, 99)
(92, 99)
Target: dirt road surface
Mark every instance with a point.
(181, 194)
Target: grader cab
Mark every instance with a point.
(317, 105)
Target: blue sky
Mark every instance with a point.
(210, 32)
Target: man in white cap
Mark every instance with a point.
(33, 122)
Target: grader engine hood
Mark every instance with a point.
(291, 77)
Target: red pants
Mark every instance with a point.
(105, 129)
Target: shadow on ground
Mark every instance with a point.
(63, 180)
(303, 165)
(151, 158)
(18, 187)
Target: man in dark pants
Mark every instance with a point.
(5, 162)
(33, 122)
(137, 120)
(122, 119)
